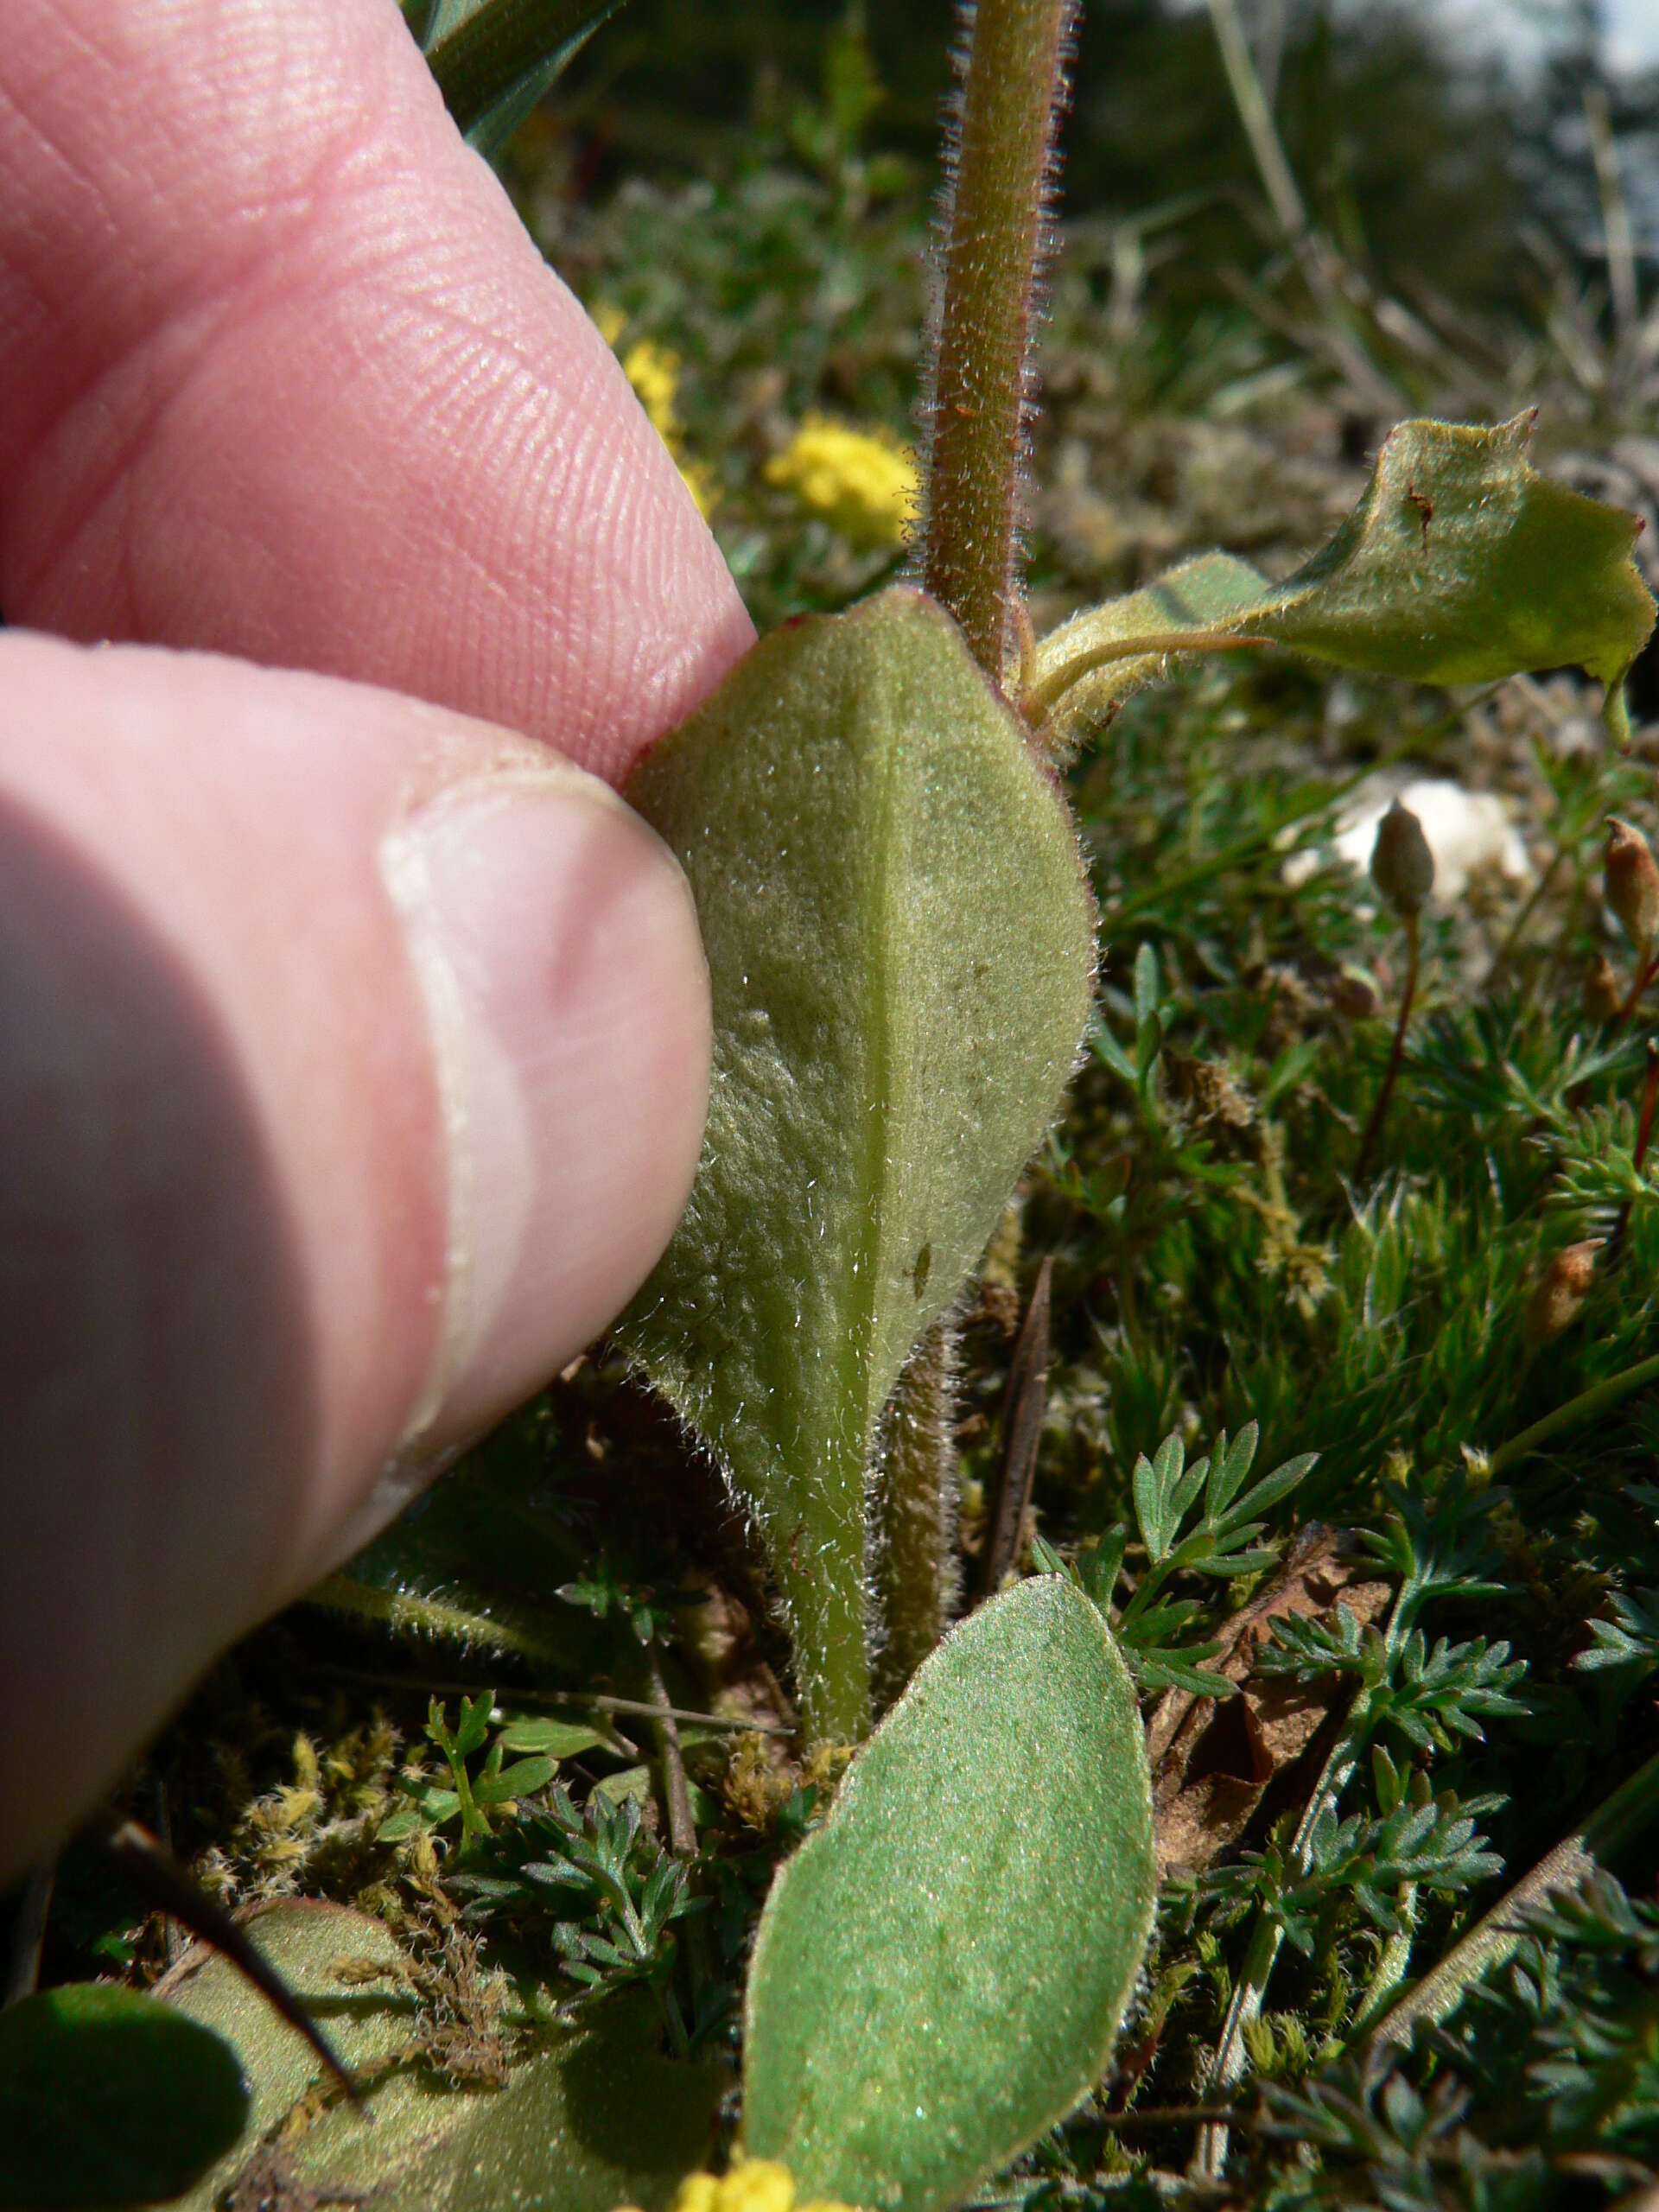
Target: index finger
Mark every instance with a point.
(284, 377)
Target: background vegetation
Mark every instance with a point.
(1467, 1600)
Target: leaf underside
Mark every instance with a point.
(941, 1969)
(899, 941)
(1460, 565)
(108, 2097)
(587, 2118)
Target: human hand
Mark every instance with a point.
(354, 1053)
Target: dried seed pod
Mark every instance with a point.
(1402, 866)
(1630, 883)
(1603, 999)
(1558, 1297)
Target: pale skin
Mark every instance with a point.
(353, 1039)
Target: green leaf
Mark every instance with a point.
(494, 59)
(1459, 565)
(942, 1967)
(107, 2097)
(584, 2122)
(900, 939)
(557, 1739)
(523, 1779)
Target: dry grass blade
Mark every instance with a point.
(1022, 1428)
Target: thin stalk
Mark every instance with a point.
(1615, 1824)
(681, 1828)
(1385, 1090)
(1266, 1937)
(736, 1724)
(1646, 969)
(1643, 1138)
(994, 235)
(1597, 1400)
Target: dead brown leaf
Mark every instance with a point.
(1212, 1758)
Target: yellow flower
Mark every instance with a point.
(757, 2186)
(698, 2193)
(864, 484)
(610, 319)
(753, 2185)
(699, 481)
(654, 372)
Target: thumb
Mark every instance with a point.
(356, 1057)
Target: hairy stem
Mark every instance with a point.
(914, 1535)
(1012, 87)
(1014, 83)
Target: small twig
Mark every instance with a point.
(28, 1934)
(1023, 1409)
(600, 1701)
(1496, 1935)
(681, 1828)
(1385, 1090)
(170, 1888)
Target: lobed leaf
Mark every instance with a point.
(899, 941)
(941, 1968)
(1459, 565)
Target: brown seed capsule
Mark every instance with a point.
(1402, 866)
(1558, 1299)
(1603, 999)
(1630, 883)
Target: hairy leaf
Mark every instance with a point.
(107, 2097)
(1459, 565)
(580, 2121)
(941, 1969)
(899, 940)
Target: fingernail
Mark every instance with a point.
(556, 946)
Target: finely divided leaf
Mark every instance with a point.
(1461, 564)
(941, 1969)
(900, 939)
